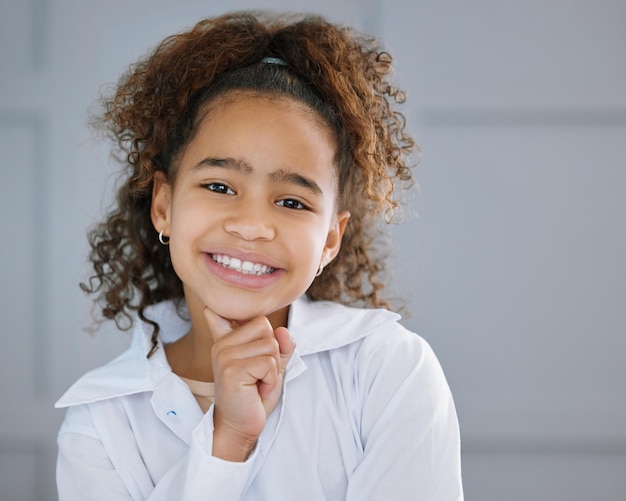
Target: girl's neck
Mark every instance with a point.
(190, 356)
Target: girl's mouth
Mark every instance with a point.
(244, 267)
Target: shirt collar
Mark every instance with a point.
(320, 326)
(316, 326)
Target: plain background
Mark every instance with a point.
(511, 258)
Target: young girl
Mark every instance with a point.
(261, 153)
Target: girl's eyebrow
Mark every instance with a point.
(278, 176)
(286, 176)
(226, 163)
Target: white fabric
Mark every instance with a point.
(366, 414)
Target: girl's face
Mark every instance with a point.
(251, 213)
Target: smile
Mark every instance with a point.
(245, 267)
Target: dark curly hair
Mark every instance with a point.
(160, 101)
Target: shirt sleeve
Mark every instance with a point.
(409, 427)
(89, 470)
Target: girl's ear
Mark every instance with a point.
(160, 209)
(335, 235)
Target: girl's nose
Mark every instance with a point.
(251, 223)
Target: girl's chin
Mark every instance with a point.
(238, 312)
(242, 316)
(239, 307)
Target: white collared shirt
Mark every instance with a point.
(366, 414)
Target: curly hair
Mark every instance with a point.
(160, 101)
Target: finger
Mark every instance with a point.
(218, 326)
(256, 328)
(268, 375)
(263, 346)
(261, 372)
(286, 346)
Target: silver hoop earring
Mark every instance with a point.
(320, 270)
(162, 240)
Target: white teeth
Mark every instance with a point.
(245, 267)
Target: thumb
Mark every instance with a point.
(218, 326)
(286, 344)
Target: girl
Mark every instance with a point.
(261, 152)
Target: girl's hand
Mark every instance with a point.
(249, 363)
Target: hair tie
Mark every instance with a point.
(274, 60)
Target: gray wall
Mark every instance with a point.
(513, 264)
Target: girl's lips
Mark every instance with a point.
(242, 275)
(245, 267)
(243, 256)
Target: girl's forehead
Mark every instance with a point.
(263, 99)
(256, 125)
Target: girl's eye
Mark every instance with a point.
(290, 203)
(219, 188)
